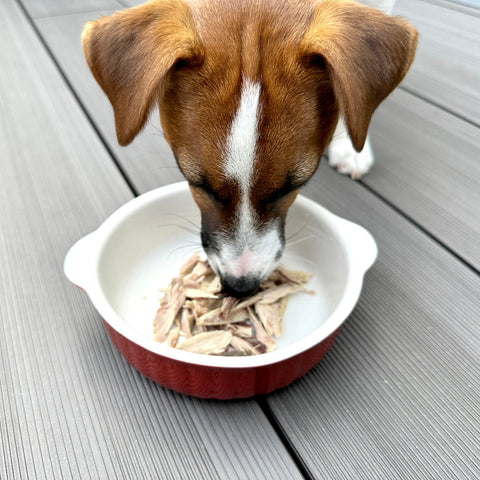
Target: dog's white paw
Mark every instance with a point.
(343, 156)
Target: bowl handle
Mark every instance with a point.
(78, 265)
(362, 245)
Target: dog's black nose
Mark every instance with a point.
(240, 286)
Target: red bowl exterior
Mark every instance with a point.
(214, 382)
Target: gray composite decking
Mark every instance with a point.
(398, 395)
(447, 66)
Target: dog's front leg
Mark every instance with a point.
(341, 153)
(343, 156)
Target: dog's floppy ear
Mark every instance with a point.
(130, 52)
(366, 53)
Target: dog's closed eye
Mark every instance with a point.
(276, 197)
(286, 193)
(207, 190)
(249, 96)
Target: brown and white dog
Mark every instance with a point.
(249, 94)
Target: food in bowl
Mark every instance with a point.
(141, 247)
(195, 315)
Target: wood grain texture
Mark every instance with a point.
(70, 406)
(398, 395)
(148, 160)
(446, 70)
(427, 165)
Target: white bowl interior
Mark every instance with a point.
(144, 252)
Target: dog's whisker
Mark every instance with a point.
(183, 227)
(297, 258)
(191, 243)
(189, 247)
(197, 227)
(189, 252)
(293, 235)
(291, 244)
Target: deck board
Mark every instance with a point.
(398, 394)
(411, 138)
(148, 160)
(71, 407)
(427, 165)
(446, 70)
(49, 8)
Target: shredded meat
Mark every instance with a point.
(195, 315)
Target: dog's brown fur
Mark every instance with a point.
(315, 59)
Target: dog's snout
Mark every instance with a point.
(240, 286)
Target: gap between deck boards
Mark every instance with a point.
(269, 415)
(78, 100)
(418, 95)
(426, 232)
(285, 439)
(372, 190)
(261, 401)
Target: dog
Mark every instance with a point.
(342, 155)
(250, 94)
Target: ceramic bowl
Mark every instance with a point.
(139, 249)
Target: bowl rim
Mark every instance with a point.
(81, 268)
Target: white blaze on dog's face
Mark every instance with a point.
(244, 191)
(249, 95)
(250, 250)
(248, 127)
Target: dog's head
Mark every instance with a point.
(249, 95)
